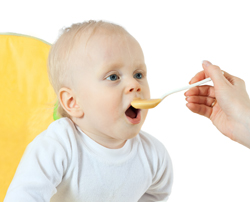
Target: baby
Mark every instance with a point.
(96, 151)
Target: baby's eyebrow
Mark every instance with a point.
(118, 65)
(115, 65)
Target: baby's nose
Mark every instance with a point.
(133, 88)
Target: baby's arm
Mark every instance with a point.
(39, 172)
(162, 182)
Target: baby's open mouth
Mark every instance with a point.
(132, 112)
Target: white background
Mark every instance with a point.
(175, 37)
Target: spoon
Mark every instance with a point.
(151, 103)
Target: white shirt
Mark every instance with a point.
(63, 164)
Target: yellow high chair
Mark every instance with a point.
(27, 99)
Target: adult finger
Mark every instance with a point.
(204, 90)
(200, 109)
(200, 100)
(198, 77)
(215, 73)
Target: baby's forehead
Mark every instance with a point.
(103, 37)
(101, 41)
(90, 43)
(99, 45)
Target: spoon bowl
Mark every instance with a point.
(145, 104)
(151, 103)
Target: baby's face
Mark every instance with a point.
(114, 74)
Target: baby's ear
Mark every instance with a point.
(69, 103)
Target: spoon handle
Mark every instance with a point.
(186, 87)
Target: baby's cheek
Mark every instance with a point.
(106, 108)
(113, 112)
(109, 106)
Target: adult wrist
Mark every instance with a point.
(246, 140)
(248, 120)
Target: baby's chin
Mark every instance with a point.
(132, 133)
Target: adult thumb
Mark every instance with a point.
(214, 72)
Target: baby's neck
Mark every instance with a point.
(101, 139)
(106, 142)
(109, 145)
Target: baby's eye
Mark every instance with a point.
(113, 77)
(138, 76)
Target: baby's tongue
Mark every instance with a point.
(130, 113)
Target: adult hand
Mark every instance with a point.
(231, 111)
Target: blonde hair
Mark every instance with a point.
(62, 53)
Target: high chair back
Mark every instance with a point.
(27, 99)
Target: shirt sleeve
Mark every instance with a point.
(39, 172)
(161, 183)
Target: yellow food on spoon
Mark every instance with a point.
(151, 103)
(145, 104)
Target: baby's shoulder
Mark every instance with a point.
(62, 125)
(152, 144)
(59, 139)
(62, 130)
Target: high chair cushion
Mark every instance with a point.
(27, 99)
